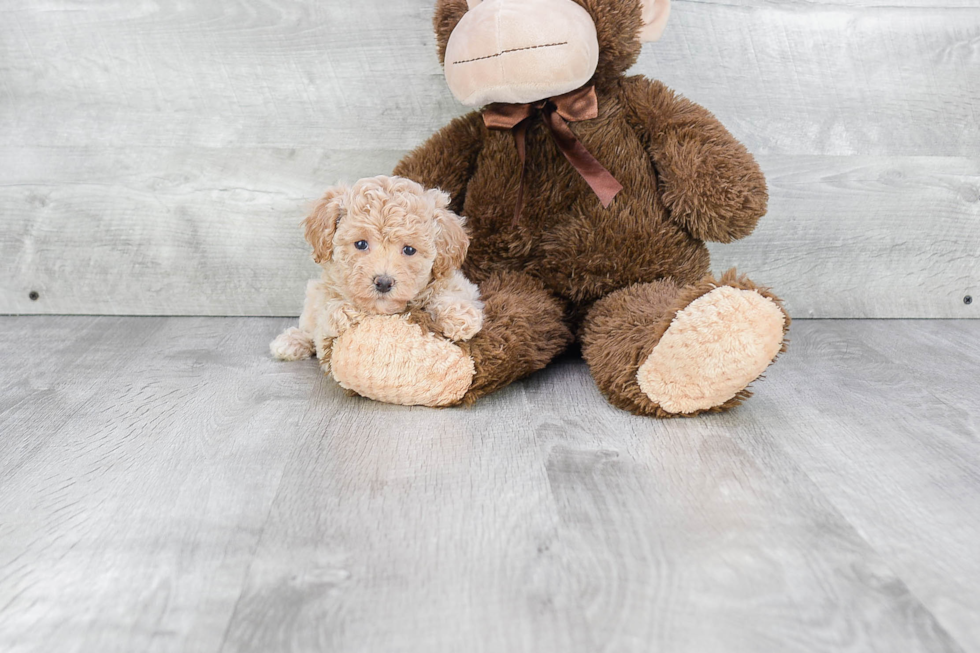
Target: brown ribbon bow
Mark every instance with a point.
(577, 105)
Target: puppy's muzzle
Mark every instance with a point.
(383, 283)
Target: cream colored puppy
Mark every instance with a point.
(386, 245)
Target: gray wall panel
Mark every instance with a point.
(156, 157)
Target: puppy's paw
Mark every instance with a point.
(292, 345)
(460, 321)
(341, 318)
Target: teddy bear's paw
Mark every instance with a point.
(712, 350)
(292, 345)
(389, 359)
(461, 322)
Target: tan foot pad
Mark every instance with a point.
(713, 349)
(389, 359)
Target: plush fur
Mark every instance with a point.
(383, 230)
(431, 372)
(617, 277)
(621, 331)
(529, 329)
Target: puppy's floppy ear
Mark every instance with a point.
(447, 15)
(451, 239)
(321, 223)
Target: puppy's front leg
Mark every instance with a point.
(457, 309)
(293, 344)
(339, 316)
(459, 320)
(298, 343)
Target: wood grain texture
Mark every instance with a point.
(864, 236)
(156, 156)
(834, 79)
(166, 486)
(786, 77)
(139, 458)
(192, 233)
(883, 420)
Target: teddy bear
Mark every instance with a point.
(589, 195)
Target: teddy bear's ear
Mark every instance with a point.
(451, 239)
(321, 224)
(447, 15)
(655, 15)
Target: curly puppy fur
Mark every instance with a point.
(386, 245)
(685, 180)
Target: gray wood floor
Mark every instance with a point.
(165, 486)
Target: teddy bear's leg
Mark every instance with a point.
(524, 327)
(399, 359)
(664, 350)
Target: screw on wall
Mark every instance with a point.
(968, 300)
(34, 295)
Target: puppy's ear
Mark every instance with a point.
(321, 223)
(451, 239)
(447, 15)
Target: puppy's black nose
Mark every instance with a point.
(383, 283)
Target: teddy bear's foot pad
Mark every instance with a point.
(389, 359)
(713, 349)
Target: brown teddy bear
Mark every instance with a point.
(589, 195)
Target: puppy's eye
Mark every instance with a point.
(408, 250)
(361, 245)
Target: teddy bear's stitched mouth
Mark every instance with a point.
(503, 52)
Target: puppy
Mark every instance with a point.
(387, 245)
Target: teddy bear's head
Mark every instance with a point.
(522, 51)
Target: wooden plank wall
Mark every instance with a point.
(156, 156)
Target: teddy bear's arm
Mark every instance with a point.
(711, 184)
(447, 159)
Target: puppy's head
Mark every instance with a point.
(389, 237)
